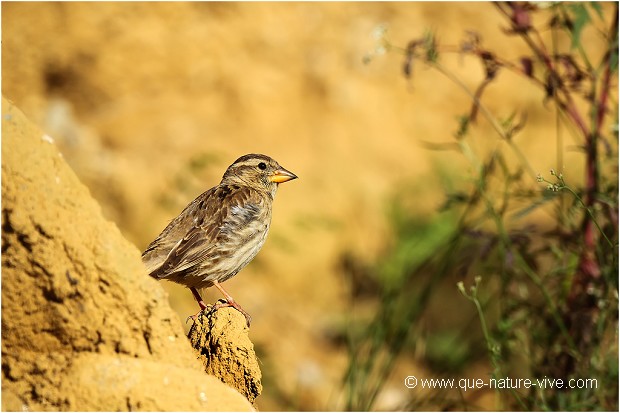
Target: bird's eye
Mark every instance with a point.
(262, 166)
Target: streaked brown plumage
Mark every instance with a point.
(220, 231)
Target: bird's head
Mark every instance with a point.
(257, 171)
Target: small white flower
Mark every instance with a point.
(379, 32)
(380, 50)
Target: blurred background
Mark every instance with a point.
(403, 191)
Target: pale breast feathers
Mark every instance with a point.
(210, 229)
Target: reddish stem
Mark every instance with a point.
(588, 265)
(581, 303)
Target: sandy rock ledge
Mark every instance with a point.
(220, 339)
(83, 326)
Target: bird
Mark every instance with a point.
(219, 232)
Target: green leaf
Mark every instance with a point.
(416, 242)
(596, 6)
(613, 61)
(430, 44)
(582, 17)
(464, 121)
(547, 196)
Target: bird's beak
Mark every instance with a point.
(282, 175)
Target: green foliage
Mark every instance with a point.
(581, 20)
(544, 301)
(402, 299)
(416, 242)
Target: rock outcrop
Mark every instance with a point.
(223, 346)
(83, 326)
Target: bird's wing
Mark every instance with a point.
(204, 227)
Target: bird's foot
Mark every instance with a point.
(203, 307)
(220, 304)
(193, 317)
(232, 303)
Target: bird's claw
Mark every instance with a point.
(221, 303)
(194, 317)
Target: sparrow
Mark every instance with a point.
(220, 231)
